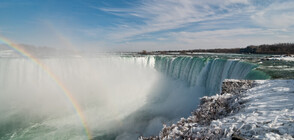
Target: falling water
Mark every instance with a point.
(121, 97)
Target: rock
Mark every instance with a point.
(236, 86)
(236, 137)
(201, 124)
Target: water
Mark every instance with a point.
(203, 72)
(120, 97)
(268, 65)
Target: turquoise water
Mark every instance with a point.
(205, 72)
(272, 68)
(267, 67)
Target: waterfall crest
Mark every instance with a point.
(203, 72)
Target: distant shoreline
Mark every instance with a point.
(274, 49)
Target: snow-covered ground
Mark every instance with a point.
(268, 112)
(265, 111)
(283, 58)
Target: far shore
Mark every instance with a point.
(273, 49)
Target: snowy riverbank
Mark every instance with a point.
(265, 111)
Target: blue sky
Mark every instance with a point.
(134, 25)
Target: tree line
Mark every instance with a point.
(279, 48)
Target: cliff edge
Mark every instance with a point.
(244, 110)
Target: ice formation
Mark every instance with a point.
(265, 111)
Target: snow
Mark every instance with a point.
(269, 112)
(287, 58)
(283, 58)
(266, 111)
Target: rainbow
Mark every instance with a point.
(54, 78)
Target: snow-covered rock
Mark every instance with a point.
(266, 111)
(283, 58)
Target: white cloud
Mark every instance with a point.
(221, 33)
(276, 15)
(230, 38)
(237, 1)
(188, 24)
(170, 14)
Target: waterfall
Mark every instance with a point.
(203, 72)
(121, 96)
(33, 105)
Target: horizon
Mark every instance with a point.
(129, 25)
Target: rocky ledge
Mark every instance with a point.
(200, 125)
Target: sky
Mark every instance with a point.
(135, 25)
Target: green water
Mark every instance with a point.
(266, 68)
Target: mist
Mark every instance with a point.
(120, 97)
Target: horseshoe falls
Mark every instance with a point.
(208, 73)
(119, 97)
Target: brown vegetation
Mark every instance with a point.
(281, 48)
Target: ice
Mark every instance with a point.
(266, 111)
(284, 58)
